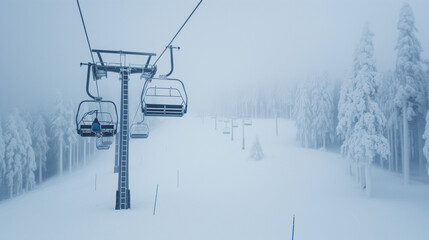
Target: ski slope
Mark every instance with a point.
(222, 193)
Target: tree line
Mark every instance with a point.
(381, 117)
(376, 118)
(35, 147)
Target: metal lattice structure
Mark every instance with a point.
(99, 70)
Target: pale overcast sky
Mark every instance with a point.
(227, 45)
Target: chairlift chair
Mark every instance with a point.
(103, 143)
(139, 130)
(226, 129)
(103, 113)
(247, 122)
(234, 124)
(161, 98)
(107, 140)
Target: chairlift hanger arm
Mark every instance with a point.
(171, 59)
(87, 82)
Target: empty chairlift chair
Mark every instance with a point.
(107, 140)
(164, 98)
(103, 143)
(139, 130)
(96, 119)
(234, 124)
(247, 122)
(226, 129)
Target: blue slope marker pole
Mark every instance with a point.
(156, 197)
(293, 226)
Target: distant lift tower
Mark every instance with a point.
(146, 71)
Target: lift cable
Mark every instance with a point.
(86, 33)
(89, 45)
(90, 52)
(168, 45)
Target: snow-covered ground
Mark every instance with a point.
(222, 193)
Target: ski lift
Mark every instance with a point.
(164, 97)
(226, 129)
(107, 140)
(247, 122)
(234, 124)
(139, 130)
(100, 121)
(103, 143)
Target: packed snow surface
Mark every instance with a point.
(222, 193)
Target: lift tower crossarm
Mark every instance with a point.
(116, 68)
(123, 52)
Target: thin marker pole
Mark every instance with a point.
(293, 227)
(232, 129)
(156, 197)
(277, 126)
(242, 125)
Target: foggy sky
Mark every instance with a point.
(226, 47)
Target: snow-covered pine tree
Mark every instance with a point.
(59, 124)
(28, 159)
(256, 152)
(40, 145)
(323, 109)
(2, 158)
(361, 121)
(387, 90)
(19, 157)
(426, 146)
(12, 156)
(426, 132)
(411, 95)
(303, 115)
(70, 133)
